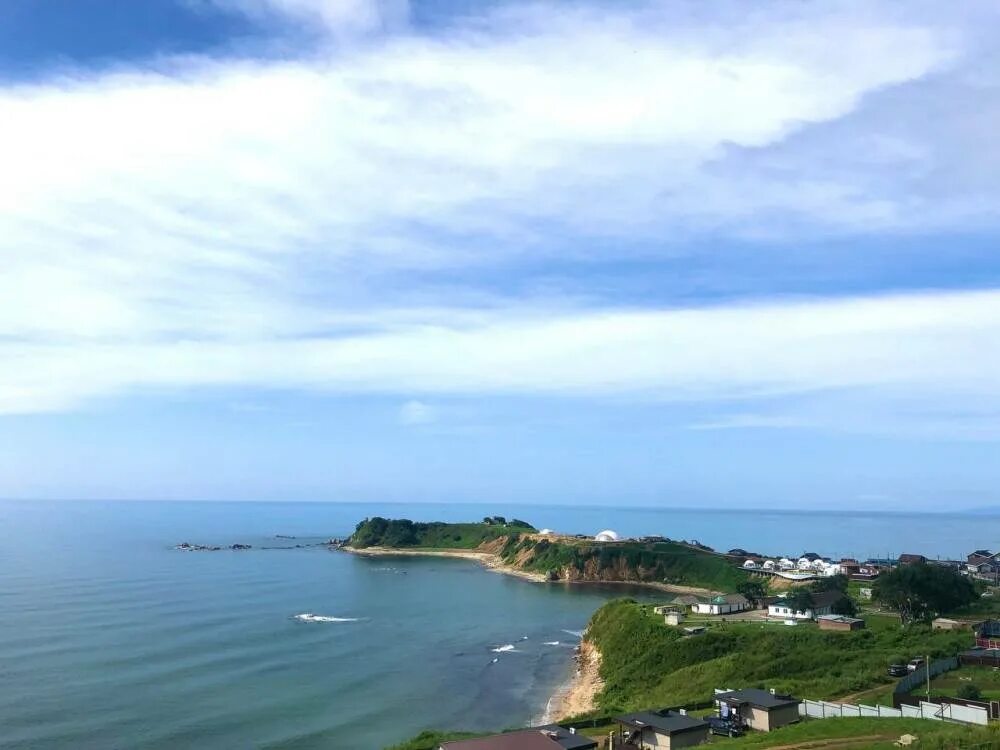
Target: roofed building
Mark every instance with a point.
(823, 603)
(839, 622)
(548, 737)
(663, 730)
(763, 710)
(723, 604)
(907, 559)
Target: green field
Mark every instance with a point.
(646, 663)
(406, 534)
(986, 679)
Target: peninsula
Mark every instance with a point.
(514, 546)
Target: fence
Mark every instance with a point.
(922, 710)
(915, 679)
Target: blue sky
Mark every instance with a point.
(641, 253)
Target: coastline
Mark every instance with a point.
(492, 561)
(488, 560)
(579, 694)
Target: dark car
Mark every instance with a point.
(724, 727)
(898, 670)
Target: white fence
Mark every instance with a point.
(938, 711)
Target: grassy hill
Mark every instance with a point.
(403, 533)
(646, 663)
(648, 562)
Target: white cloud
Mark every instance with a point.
(227, 223)
(416, 413)
(336, 15)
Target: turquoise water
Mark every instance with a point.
(111, 639)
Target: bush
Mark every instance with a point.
(969, 692)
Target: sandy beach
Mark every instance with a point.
(487, 559)
(579, 695)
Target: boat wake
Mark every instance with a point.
(309, 617)
(503, 649)
(550, 643)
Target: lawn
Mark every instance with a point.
(831, 734)
(987, 679)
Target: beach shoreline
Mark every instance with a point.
(492, 561)
(578, 695)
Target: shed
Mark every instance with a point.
(763, 710)
(946, 623)
(839, 622)
(663, 730)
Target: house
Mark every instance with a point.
(823, 603)
(945, 623)
(859, 571)
(763, 710)
(987, 634)
(907, 559)
(979, 556)
(549, 737)
(673, 618)
(724, 604)
(687, 600)
(839, 622)
(663, 730)
(985, 568)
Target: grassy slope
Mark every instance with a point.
(376, 532)
(646, 663)
(431, 740)
(660, 562)
(985, 678)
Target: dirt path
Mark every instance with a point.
(834, 743)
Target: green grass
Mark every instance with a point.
(406, 534)
(932, 734)
(985, 678)
(647, 664)
(656, 562)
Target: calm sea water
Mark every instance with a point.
(111, 639)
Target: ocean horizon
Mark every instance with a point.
(112, 638)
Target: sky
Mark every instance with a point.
(698, 254)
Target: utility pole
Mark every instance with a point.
(927, 664)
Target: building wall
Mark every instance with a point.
(687, 739)
(780, 717)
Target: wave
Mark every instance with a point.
(503, 649)
(309, 617)
(550, 643)
(575, 633)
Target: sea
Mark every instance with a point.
(112, 638)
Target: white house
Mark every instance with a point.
(724, 604)
(822, 605)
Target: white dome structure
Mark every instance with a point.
(546, 531)
(607, 536)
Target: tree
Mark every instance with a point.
(918, 591)
(969, 692)
(754, 589)
(844, 606)
(830, 583)
(801, 600)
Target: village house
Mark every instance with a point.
(839, 622)
(977, 558)
(908, 559)
(663, 730)
(946, 623)
(823, 602)
(763, 710)
(724, 604)
(549, 737)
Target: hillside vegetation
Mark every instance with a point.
(403, 533)
(643, 562)
(645, 663)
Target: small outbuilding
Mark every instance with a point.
(663, 730)
(839, 622)
(723, 604)
(763, 710)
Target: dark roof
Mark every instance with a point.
(908, 558)
(568, 739)
(526, 739)
(981, 553)
(756, 697)
(827, 598)
(664, 721)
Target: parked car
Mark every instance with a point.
(724, 727)
(898, 670)
(915, 664)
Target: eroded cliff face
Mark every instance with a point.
(618, 570)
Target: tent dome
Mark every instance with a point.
(546, 531)
(607, 536)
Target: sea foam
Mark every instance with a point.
(309, 617)
(503, 649)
